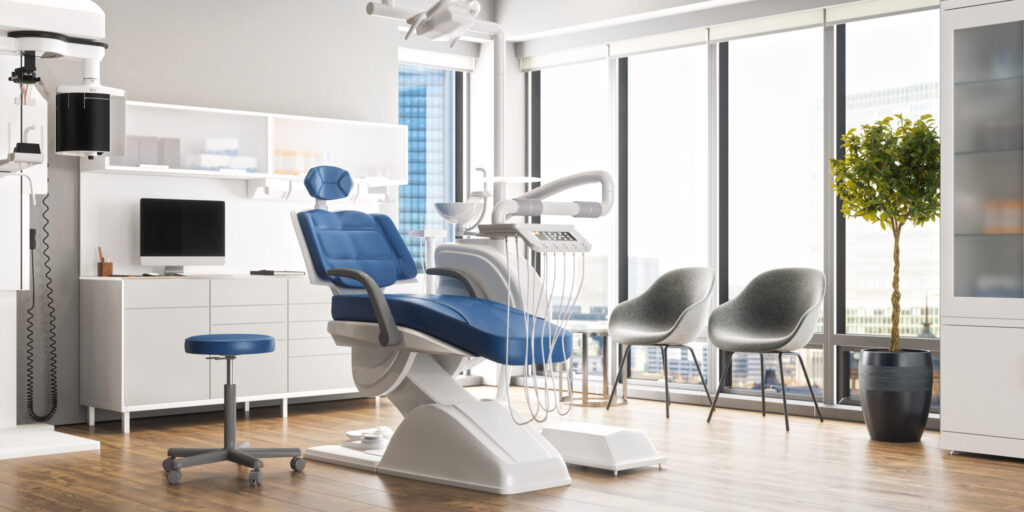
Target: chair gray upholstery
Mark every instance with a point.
(777, 312)
(671, 312)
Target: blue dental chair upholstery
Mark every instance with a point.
(354, 250)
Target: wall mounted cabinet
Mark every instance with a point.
(268, 150)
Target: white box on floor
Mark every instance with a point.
(601, 446)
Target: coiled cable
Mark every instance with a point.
(51, 327)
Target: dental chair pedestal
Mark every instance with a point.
(450, 437)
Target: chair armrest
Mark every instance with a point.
(389, 333)
(458, 275)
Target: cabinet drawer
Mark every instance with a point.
(300, 291)
(255, 374)
(156, 368)
(981, 367)
(309, 312)
(317, 347)
(318, 373)
(307, 330)
(166, 293)
(248, 292)
(279, 331)
(248, 314)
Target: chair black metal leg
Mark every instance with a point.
(782, 380)
(762, 384)
(700, 373)
(809, 387)
(619, 377)
(664, 363)
(721, 384)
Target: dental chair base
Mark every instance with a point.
(450, 437)
(603, 447)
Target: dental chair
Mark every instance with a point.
(408, 347)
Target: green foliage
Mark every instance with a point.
(890, 174)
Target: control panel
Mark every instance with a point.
(540, 237)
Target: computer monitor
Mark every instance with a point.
(177, 232)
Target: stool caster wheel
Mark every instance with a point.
(173, 476)
(255, 477)
(169, 464)
(298, 464)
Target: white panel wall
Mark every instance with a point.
(259, 234)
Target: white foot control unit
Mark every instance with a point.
(363, 450)
(604, 447)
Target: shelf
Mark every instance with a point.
(992, 235)
(988, 80)
(987, 152)
(180, 173)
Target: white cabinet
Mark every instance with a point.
(983, 367)
(156, 367)
(133, 333)
(982, 376)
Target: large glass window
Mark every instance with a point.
(576, 136)
(775, 175)
(426, 99)
(776, 156)
(880, 83)
(668, 184)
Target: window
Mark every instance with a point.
(776, 155)
(576, 136)
(880, 83)
(426, 99)
(668, 184)
(775, 169)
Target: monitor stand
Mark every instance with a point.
(171, 270)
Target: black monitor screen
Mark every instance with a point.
(174, 227)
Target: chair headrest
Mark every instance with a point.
(328, 182)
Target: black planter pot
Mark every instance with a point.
(895, 393)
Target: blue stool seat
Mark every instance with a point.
(229, 344)
(477, 326)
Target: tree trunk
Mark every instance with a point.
(894, 335)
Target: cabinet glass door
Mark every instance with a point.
(988, 181)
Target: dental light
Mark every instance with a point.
(447, 20)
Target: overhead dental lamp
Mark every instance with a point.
(447, 20)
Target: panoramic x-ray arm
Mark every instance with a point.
(532, 202)
(390, 336)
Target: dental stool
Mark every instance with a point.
(227, 347)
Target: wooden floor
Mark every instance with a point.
(740, 461)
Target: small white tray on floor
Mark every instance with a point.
(604, 447)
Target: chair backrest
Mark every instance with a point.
(778, 302)
(684, 291)
(350, 239)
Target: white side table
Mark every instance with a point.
(586, 329)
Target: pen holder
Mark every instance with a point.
(105, 268)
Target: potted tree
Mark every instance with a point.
(890, 176)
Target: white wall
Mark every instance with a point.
(315, 57)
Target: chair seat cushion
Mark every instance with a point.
(229, 344)
(477, 326)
